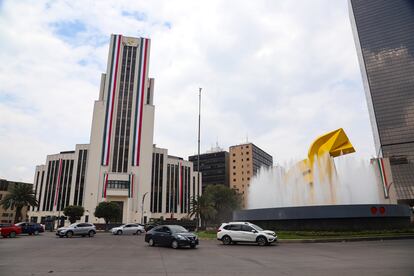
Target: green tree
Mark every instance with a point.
(201, 207)
(20, 196)
(73, 212)
(108, 211)
(224, 200)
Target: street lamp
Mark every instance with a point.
(142, 208)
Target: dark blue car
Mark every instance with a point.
(30, 228)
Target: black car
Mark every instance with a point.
(31, 228)
(171, 235)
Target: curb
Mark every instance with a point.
(356, 239)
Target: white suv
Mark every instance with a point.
(234, 232)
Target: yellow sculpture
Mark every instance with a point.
(320, 156)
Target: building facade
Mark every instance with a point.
(245, 162)
(60, 182)
(384, 38)
(8, 216)
(214, 167)
(118, 163)
(173, 185)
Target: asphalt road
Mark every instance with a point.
(129, 255)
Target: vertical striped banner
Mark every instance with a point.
(383, 177)
(58, 182)
(116, 45)
(181, 185)
(142, 77)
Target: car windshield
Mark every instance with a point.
(256, 227)
(73, 225)
(178, 229)
(20, 223)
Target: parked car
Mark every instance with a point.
(171, 235)
(234, 232)
(128, 229)
(9, 230)
(31, 228)
(77, 229)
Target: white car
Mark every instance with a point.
(234, 232)
(128, 229)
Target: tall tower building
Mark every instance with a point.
(120, 164)
(384, 38)
(122, 131)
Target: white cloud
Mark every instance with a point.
(281, 72)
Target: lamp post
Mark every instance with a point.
(142, 208)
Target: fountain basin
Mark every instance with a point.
(354, 217)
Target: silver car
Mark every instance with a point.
(77, 229)
(128, 229)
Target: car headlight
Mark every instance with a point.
(180, 237)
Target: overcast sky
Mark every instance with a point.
(278, 72)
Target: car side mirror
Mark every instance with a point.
(254, 231)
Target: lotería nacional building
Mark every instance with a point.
(120, 164)
(384, 38)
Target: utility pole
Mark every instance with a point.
(198, 154)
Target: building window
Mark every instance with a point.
(234, 173)
(247, 147)
(248, 179)
(234, 161)
(234, 167)
(247, 159)
(234, 154)
(234, 179)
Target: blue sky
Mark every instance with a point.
(279, 72)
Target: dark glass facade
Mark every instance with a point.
(384, 35)
(213, 166)
(260, 159)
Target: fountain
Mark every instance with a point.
(326, 191)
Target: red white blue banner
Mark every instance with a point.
(139, 104)
(113, 75)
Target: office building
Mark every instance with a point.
(245, 162)
(214, 167)
(8, 216)
(118, 163)
(384, 38)
(173, 185)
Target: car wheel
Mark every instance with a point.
(91, 234)
(119, 232)
(174, 244)
(69, 234)
(12, 235)
(36, 233)
(138, 233)
(226, 240)
(151, 242)
(261, 241)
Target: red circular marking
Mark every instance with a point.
(374, 210)
(382, 210)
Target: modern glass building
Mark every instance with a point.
(214, 167)
(384, 37)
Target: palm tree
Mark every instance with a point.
(202, 208)
(20, 195)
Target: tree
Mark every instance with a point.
(202, 208)
(225, 200)
(73, 212)
(108, 211)
(20, 196)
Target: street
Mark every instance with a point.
(130, 255)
